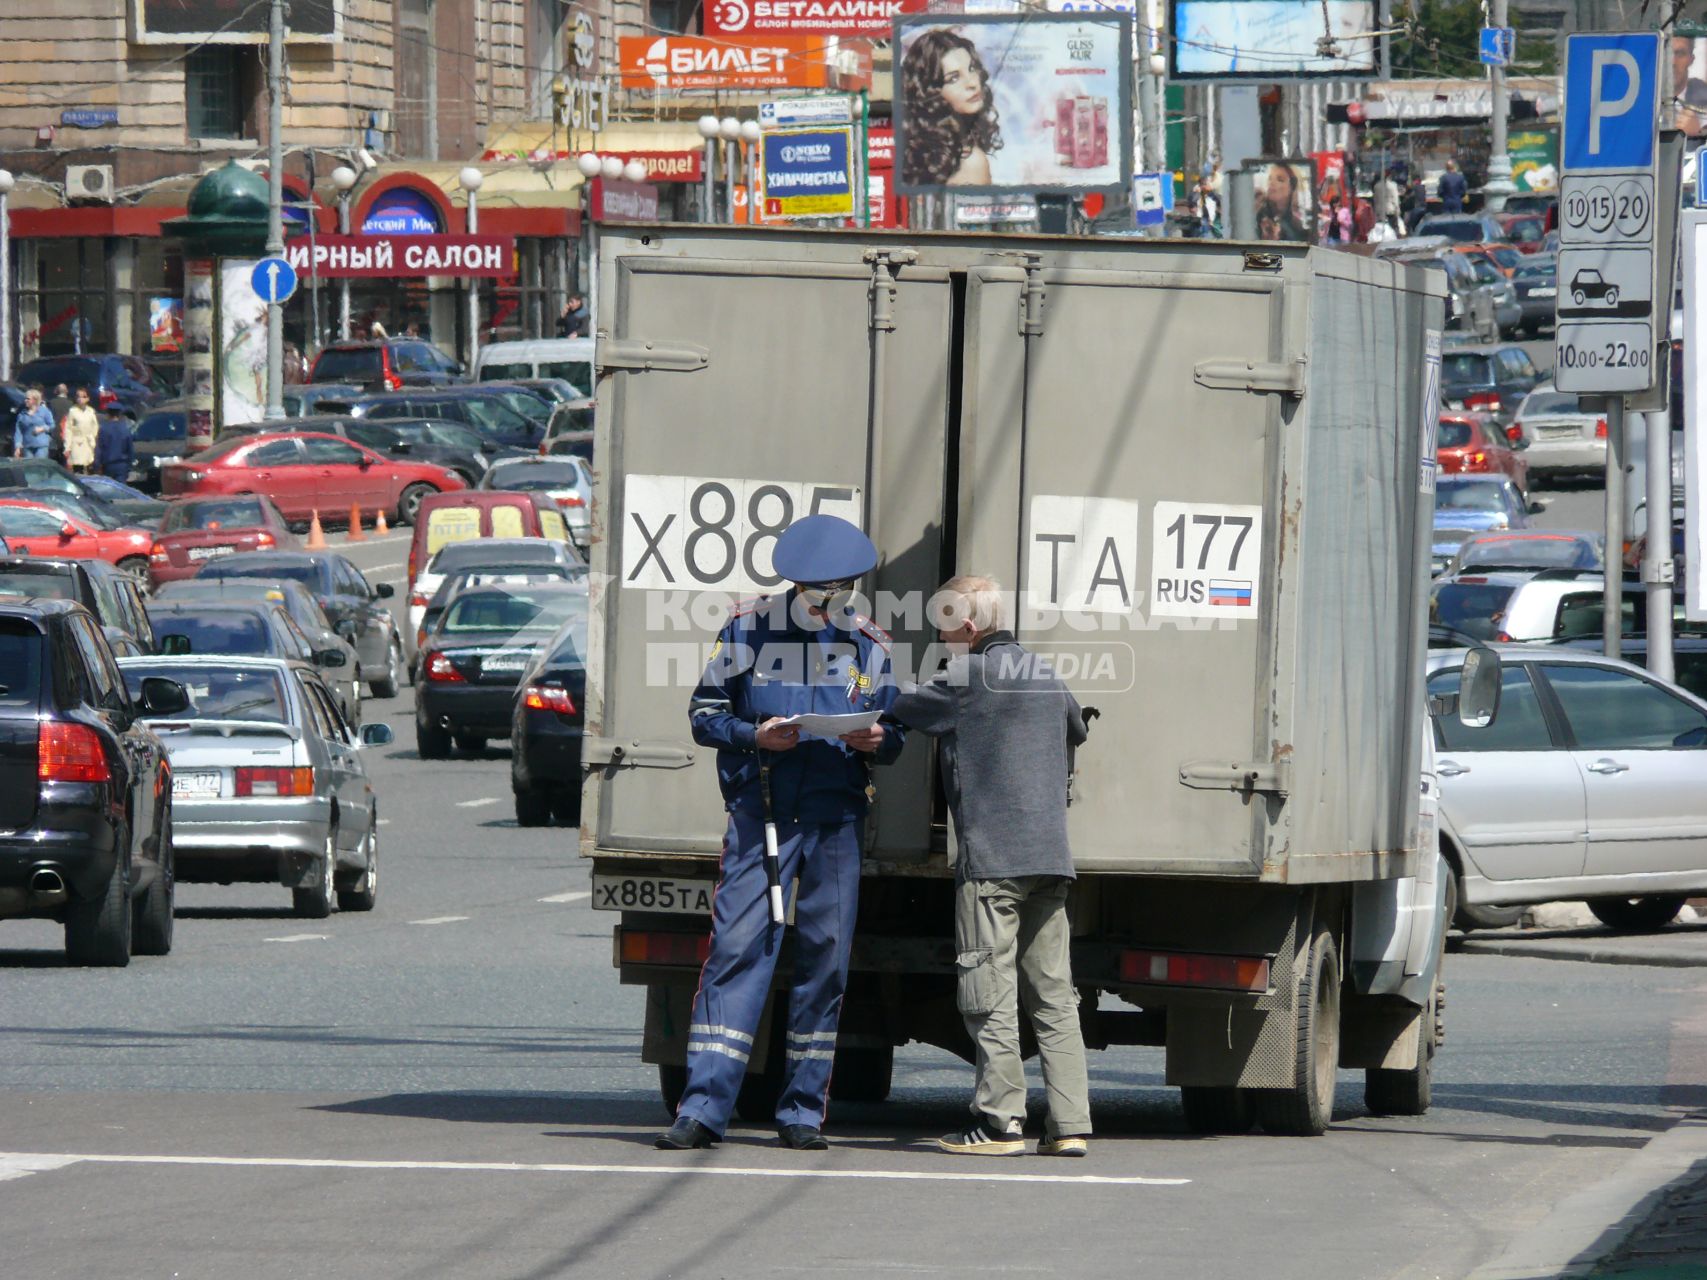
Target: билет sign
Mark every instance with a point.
(355, 257)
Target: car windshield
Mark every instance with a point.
(527, 474)
(1464, 230)
(160, 426)
(1537, 268)
(1533, 551)
(1455, 435)
(482, 614)
(1461, 496)
(224, 513)
(495, 414)
(221, 631)
(49, 586)
(1474, 608)
(218, 693)
(1545, 402)
(493, 575)
(481, 553)
(20, 662)
(1465, 367)
(77, 508)
(348, 364)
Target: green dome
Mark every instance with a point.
(230, 192)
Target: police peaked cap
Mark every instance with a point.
(823, 549)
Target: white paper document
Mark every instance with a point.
(819, 726)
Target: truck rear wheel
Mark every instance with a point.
(862, 1075)
(1408, 1091)
(1306, 1108)
(1211, 1109)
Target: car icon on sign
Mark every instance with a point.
(1588, 284)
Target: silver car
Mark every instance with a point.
(1559, 436)
(564, 479)
(268, 783)
(1591, 784)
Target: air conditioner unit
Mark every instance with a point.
(89, 182)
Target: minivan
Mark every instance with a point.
(456, 517)
(568, 358)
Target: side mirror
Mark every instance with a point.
(385, 591)
(330, 658)
(1479, 688)
(365, 463)
(377, 734)
(163, 697)
(1536, 507)
(68, 530)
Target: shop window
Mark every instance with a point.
(218, 82)
(671, 15)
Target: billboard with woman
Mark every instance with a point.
(1285, 206)
(1013, 102)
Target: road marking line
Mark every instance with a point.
(385, 822)
(379, 568)
(477, 804)
(22, 1166)
(439, 920)
(299, 937)
(665, 1170)
(569, 897)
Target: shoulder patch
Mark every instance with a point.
(874, 631)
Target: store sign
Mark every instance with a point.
(770, 62)
(89, 117)
(402, 213)
(609, 201)
(804, 113)
(808, 174)
(978, 212)
(880, 147)
(880, 176)
(806, 17)
(358, 257)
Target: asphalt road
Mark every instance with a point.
(451, 1087)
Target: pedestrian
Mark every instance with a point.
(1007, 727)
(115, 453)
(572, 323)
(1385, 196)
(60, 404)
(32, 431)
(1451, 188)
(81, 429)
(801, 651)
(1415, 206)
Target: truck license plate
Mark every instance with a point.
(195, 784)
(652, 893)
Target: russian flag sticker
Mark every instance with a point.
(1229, 591)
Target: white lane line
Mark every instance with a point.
(22, 1166)
(299, 937)
(666, 1170)
(477, 804)
(568, 897)
(385, 822)
(439, 920)
(380, 568)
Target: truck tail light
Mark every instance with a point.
(1173, 969)
(1600, 429)
(272, 781)
(442, 670)
(687, 950)
(70, 752)
(549, 697)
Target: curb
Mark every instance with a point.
(1589, 1224)
(1549, 950)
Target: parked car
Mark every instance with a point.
(568, 358)
(85, 806)
(45, 475)
(1504, 258)
(309, 474)
(268, 781)
(388, 363)
(1465, 228)
(475, 659)
(33, 528)
(545, 729)
(353, 605)
(1528, 605)
(1560, 437)
(1590, 784)
(1508, 312)
(197, 530)
(141, 510)
(1471, 307)
(555, 390)
(1536, 281)
(91, 511)
(1536, 202)
(570, 430)
(124, 382)
(1493, 379)
(486, 575)
(111, 595)
(421, 440)
(1525, 230)
(235, 628)
(479, 407)
(161, 436)
(565, 481)
(1534, 549)
(1469, 504)
(303, 399)
(481, 513)
(1468, 443)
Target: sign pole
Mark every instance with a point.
(1657, 564)
(275, 204)
(1612, 622)
(865, 157)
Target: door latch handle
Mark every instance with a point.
(1608, 766)
(1447, 769)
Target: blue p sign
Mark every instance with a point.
(1611, 101)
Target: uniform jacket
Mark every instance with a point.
(114, 450)
(765, 664)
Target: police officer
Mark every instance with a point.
(776, 657)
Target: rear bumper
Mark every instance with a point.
(218, 828)
(1566, 455)
(158, 573)
(81, 844)
(484, 710)
(545, 755)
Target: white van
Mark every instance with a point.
(568, 358)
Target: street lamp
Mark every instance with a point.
(611, 168)
(750, 135)
(634, 171)
(344, 178)
(6, 182)
(709, 129)
(471, 180)
(730, 128)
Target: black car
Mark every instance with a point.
(497, 573)
(104, 590)
(482, 407)
(1493, 379)
(421, 440)
(1537, 283)
(238, 629)
(127, 383)
(475, 658)
(303, 399)
(385, 363)
(545, 729)
(44, 474)
(354, 606)
(161, 436)
(85, 795)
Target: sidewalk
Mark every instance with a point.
(1671, 1243)
(1682, 945)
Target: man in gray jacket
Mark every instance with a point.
(1006, 726)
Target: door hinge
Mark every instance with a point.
(624, 753)
(1233, 374)
(1211, 775)
(637, 354)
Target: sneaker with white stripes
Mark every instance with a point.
(978, 1139)
(1066, 1145)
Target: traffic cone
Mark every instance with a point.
(379, 525)
(316, 535)
(356, 534)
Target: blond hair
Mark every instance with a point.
(970, 597)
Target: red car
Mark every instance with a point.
(309, 473)
(1469, 442)
(195, 530)
(1525, 230)
(34, 528)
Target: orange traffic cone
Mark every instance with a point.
(356, 534)
(379, 525)
(316, 535)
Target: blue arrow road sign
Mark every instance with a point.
(273, 280)
(1611, 101)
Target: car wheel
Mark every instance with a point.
(533, 808)
(97, 933)
(1637, 915)
(471, 743)
(151, 919)
(362, 894)
(386, 687)
(409, 504)
(431, 742)
(136, 567)
(314, 902)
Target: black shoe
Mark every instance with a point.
(686, 1134)
(801, 1137)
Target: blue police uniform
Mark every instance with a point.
(772, 660)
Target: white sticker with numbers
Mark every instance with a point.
(698, 533)
(1205, 560)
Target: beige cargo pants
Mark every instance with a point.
(1013, 941)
